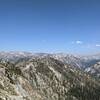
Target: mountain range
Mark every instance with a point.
(42, 76)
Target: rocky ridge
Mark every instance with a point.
(45, 78)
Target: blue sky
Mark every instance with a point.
(71, 26)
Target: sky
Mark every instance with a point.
(69, 26)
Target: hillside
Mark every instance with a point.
(45, 78)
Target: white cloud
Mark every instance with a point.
(79, 42)
(97, 45)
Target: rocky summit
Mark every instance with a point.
(47, 77)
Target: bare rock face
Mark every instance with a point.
(45, 78)
(94, 70)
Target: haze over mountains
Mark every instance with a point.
(83, 62)
(42, 76)
(77, 60)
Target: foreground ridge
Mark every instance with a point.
(45, 78)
